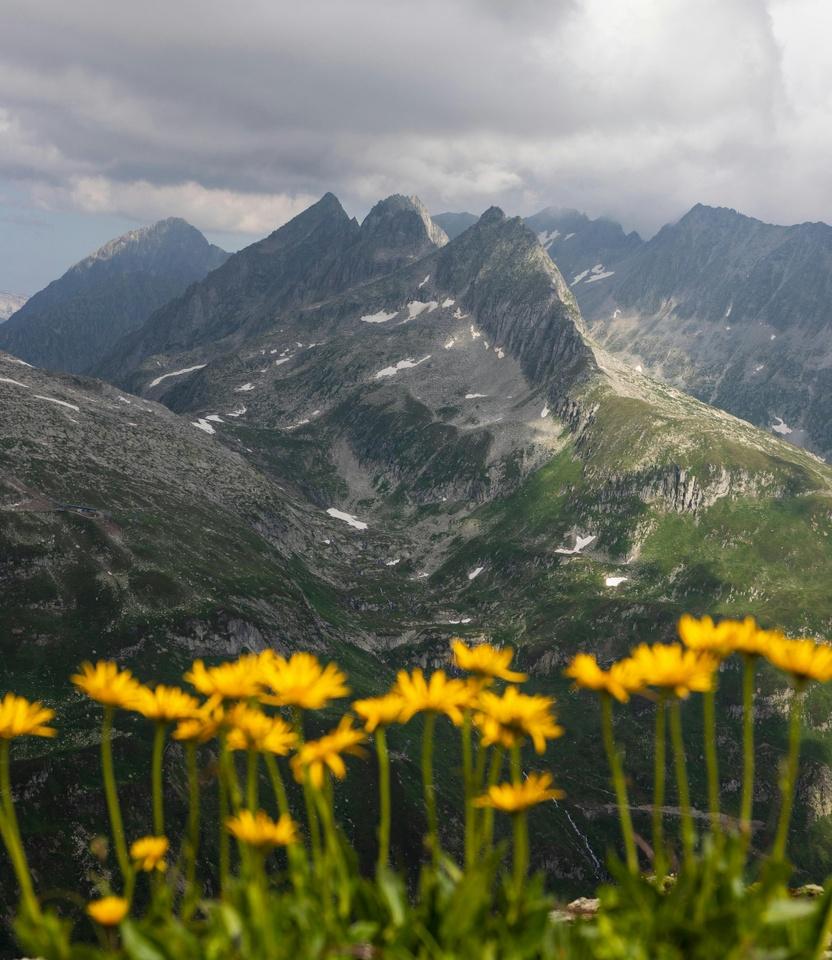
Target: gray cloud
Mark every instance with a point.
(236, 115)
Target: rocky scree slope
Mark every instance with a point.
(75, 320)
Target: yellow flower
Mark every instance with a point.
(166, 704)
(316, 756)
(803, 659)
(720, 639)
(202, 727)
(437, 695)
(513, 798)
(108, 911)
(260, 831)
(379, 711)
(21, 718)
(251, 729)
(671, 667)
(301, 681)
(107, 684)
(485, 661)
(148, 853)
(507, 719)
(619, 681)
(238, 680)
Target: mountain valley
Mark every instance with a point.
(364, 439)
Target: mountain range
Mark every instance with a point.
(365, 438)
(727, 308)
(72, 322)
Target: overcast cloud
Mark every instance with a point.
(236, 116)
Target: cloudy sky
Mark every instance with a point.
(236, 116)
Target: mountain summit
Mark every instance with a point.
(71, 323)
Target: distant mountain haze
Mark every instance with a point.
(73, 321)
(733, 310)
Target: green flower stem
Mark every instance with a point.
(468, 782)
(224, 838)
(820, 952)
(619, 783)
(309, 803)
(192, 845)
(251, 780)
(747, 801)
(516, 764)
(294, 854)
(384, 800)
(789, 779)
(521, 851)
(324, 802)
(156, 772)
(688, 832)
(487, 839)
(11, 835)
(428, 787)
(711, 762)
(111, 794)
(659, 862)
(278, 785)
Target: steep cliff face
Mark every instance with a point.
(500, 273)
(71, 324)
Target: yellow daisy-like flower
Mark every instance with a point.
(202, 727)
(302, 682)
(20, 717)
(108, 911)
(166, 704)
(316, 756)
(507, 719)
(237, 680)
(485, 661)
(436, 695)
(672, 668)
(803, 659)
(619, 681)
(514, 798)
(251, 729)
(148, 853)
(107, 684)
(258, 830)
(719, 639)
(379, 711)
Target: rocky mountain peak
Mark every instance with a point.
(491, 215)
(153, 244)
(403, 219)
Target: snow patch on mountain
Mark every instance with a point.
(63, 403)
(348, 518)
(400, 365)
(581, 543)
(380, 317)
(176, 373)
